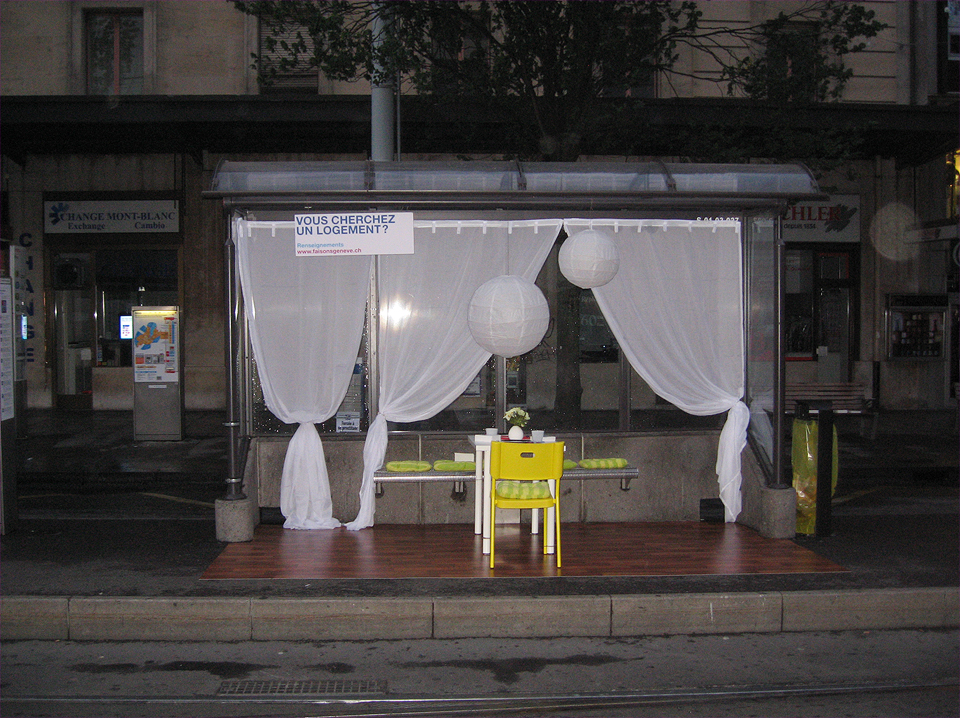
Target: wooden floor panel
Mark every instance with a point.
(679, 548)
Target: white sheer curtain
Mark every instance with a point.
(306, 317)
(675, 307)
(427, 356)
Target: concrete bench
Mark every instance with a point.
(624, 474)
(845, 397)
(382, 476)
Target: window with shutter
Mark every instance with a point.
(284, 63)
(114, 52)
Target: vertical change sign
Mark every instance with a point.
(353, 233)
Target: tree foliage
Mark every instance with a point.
(800, 56)
(557, 71)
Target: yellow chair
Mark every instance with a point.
(537, 466)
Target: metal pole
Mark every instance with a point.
(381, 96)
(373, 343)
(500, 400)
(232, 305)
(782, 479)
(626, 373)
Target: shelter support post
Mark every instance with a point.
(234, 472)
(235, 513)
(779, 478)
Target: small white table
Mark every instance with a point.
(482, 507)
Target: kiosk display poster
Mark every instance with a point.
(155, 355)
(157, 389)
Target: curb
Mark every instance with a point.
(83, 618)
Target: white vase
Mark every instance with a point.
(515, 433)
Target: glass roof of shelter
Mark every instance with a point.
(471, 182)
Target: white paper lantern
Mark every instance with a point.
(508, 315)
(589, 259)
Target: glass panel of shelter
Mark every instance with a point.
(529, 381)
(762, 327)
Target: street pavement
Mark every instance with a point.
(852, 673)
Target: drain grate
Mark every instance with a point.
(301, 688)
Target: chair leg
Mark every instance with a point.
(493, 527)
(492, 531)
(556, 517)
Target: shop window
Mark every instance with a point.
(597, 343)
(798, 295)
(819, 295)
(126, 279)
(114, 52)
(948, 50)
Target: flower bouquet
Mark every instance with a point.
(518, 418)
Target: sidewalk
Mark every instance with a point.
(113, 537)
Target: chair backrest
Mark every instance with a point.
(519, 461)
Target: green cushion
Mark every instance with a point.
(569, 464)
(523, 489)
(407, 466)
(603, 463)
(447, 465)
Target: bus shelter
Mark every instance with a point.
(368, 298)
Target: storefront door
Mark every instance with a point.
(833, 346)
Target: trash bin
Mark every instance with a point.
(804, 454)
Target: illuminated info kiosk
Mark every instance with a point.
(157, 380)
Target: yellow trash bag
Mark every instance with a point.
(804, 459)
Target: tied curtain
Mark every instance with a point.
(427, 356)
(675, 307)
(306, 318)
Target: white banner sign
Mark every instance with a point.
(111, 216)
(330, 235)
(836, 219)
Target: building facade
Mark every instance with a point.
(116, 114)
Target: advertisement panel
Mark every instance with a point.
(332, 235)
(836, 219)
